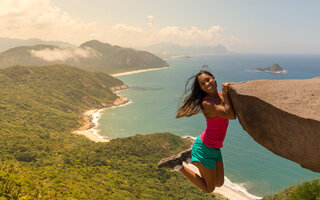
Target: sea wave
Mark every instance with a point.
(240, 187)
(95, 119)
(189, 136)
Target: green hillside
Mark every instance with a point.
(21, 56)
(306, 191)
(92, 55)
(42, 159)
(54, 94)
(117, 59)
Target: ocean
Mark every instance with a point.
(155, 96)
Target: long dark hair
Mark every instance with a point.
(192, 103)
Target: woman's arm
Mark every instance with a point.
(212, 110)
(227, 101)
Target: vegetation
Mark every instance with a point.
(42, 159)
(115, 59)
(101, 57)
(307, 191)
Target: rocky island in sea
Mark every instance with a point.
(186, 57)
(275, 68)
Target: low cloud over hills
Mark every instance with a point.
(8, 43)
(92, 55)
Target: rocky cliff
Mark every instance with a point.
(283, 116)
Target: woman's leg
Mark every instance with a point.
(220, 173)
(207, 181)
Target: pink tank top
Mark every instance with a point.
(216, 130)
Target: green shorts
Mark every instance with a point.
(204, 154)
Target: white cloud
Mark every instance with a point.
(58, 54)
(192, 35)
(41, 19)
(184, 36)
(150, 21)
(150, 17)
(127, 29)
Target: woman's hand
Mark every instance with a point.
(225, 110)
(225, 87)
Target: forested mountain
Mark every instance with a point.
(92, 55)
(42, 159)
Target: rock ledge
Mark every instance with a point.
(283, 116)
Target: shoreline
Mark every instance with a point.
(137, 71)
(91, 117)
(89, 129)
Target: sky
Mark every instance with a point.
(244, 26)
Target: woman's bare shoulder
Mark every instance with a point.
(208, 105)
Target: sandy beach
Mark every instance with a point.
(91, 118)
(89, 129)
(138, 71)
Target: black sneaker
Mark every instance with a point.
(174, 160)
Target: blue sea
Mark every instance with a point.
(155, 96)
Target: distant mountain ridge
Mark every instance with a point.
(92, 55)
(8, 43)
(166, 50)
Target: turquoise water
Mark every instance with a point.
(155, 98)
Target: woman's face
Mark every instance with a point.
(207, 83)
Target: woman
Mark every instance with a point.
(206, 153)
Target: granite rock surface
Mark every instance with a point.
(283, 116)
